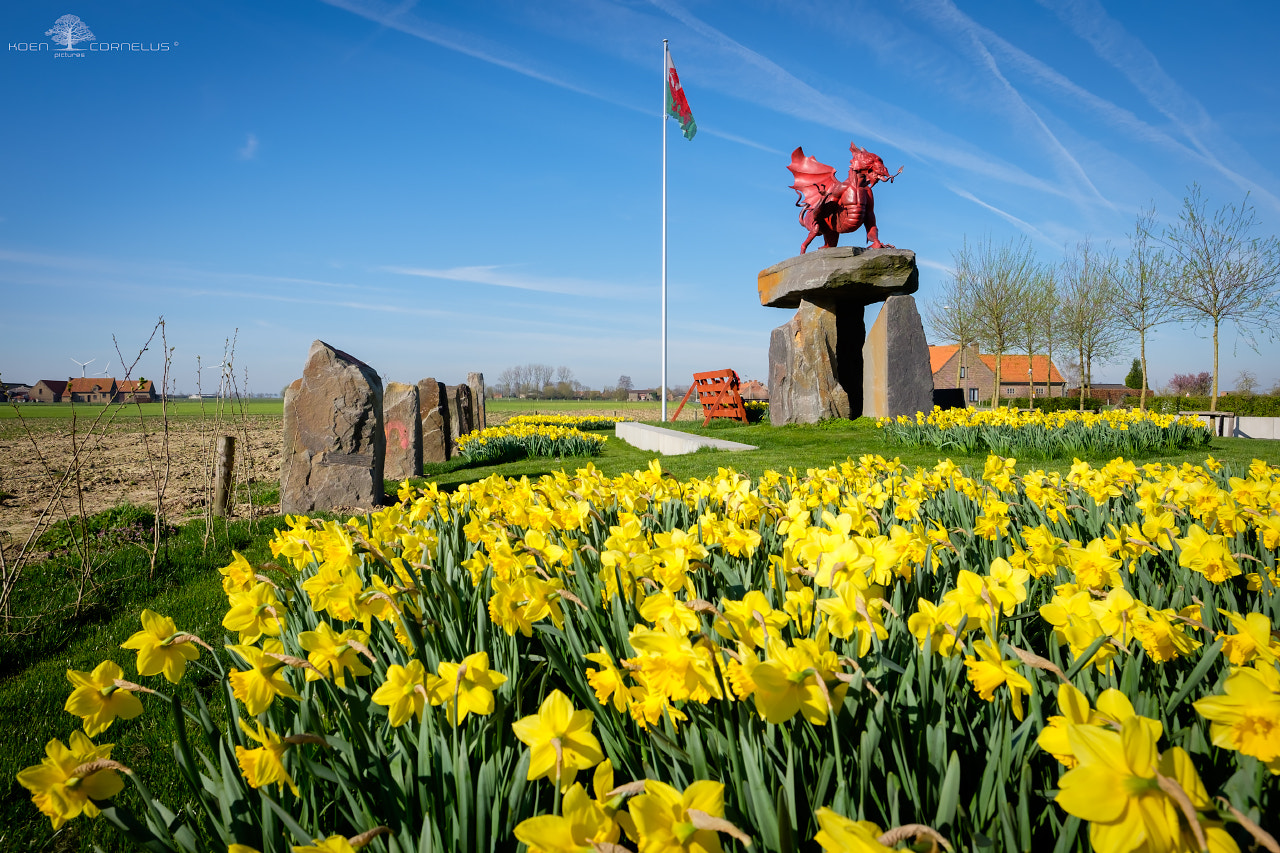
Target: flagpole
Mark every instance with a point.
(664, 231)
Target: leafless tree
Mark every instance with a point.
(1088, 315)
(950, 318)
(1140, 287)
(999, 277)
(1246, 383)
(68, 30)
(1225, 273)
(1035, 321)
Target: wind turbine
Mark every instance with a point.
(106, 371)
(83, 365)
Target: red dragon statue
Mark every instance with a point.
(832, 207)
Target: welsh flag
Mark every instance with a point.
(677, 103)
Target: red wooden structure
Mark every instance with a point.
(718, 394)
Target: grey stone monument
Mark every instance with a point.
(334, 444)
(817, 361)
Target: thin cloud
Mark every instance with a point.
(1025, 226)
(399, 18)
(762, 81)
(249, 150)
(498, 277)
(1115, 46)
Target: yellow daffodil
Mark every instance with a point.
(71, 777)
(332, 654)
(559, 739)
(465, 688)
(264, 765)
(1115, 788)
(405, 691)
(98, 699)
(258, 686)
(1246, 717)
(664, 823)
(989, 670)
(161, 649)
(839, 834)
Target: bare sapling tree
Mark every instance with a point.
(1088, 315)
(1225, 273)
(999, 277)
(159, 470)
(1141, 282)
(950, 318)
(1034, 321)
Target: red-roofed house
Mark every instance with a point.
(90, 389)
(754, 389)
(976, 373)
(135, 391)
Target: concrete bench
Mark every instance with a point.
(670, 442)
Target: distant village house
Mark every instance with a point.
(976, 373)
(93, 389)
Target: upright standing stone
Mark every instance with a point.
(475, 381)
(334, 445)
(896, 379)
(461, 420)
(403, 427)
(811, 367)
(433, 405)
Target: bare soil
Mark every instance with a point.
(119, 462)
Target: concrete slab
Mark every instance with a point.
(670, 442)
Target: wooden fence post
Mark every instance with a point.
(222, 474)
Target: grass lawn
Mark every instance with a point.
(33, 686)
(176, 409)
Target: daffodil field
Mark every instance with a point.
(1047, 435)
(530, 435)
(854, 658)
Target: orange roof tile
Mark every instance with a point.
(940, 355)
(91, 384)
(1013, 368)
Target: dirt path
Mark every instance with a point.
(117, 461)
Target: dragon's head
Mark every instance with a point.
(864, 161)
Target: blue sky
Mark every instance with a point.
(445, 187)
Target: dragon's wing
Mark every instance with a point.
(812, 179)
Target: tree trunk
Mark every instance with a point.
(995, 394)
(1213, 402)
(1142, 349)
(1082, 378)
(1031, 378)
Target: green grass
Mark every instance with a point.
(803, 446)
(34, 687)
(33, 684)
(176, 409)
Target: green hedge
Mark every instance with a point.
(1252, 406)
(1055, 404)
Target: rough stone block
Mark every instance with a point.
(403, 427)
(896, 379)
(844, 274)
(433, 405)
(815, 365)
(461, 415)
(475, 381)
(334, 444)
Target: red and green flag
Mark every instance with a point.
(677, 103)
